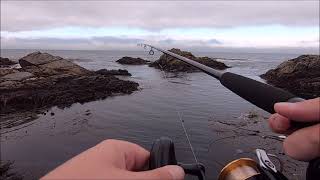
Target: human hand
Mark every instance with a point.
(302, 144)
(113, 159)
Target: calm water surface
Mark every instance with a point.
(141, 117)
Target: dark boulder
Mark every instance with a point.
(119, 72)
(132, 61)
(171, 64)
(300, 75)
(6, 62)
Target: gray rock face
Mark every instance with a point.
(5, 71)
(17, 76)
(301, 76)
(44, 64)
(38, 58)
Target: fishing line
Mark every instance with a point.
(185, 132)
(151, 52)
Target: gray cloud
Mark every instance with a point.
(33, 15)
(114, 43)
(102, 43)
(106, 42)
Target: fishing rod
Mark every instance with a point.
(260, 94)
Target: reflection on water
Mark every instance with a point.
(146, 115)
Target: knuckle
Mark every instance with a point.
(289, 149)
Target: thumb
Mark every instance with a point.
(170, 172)
(308, 110)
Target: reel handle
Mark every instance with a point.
(162, 153)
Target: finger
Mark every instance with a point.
(170, 172)
(303, 144)
(278, 123)
(308, 110)
(124, 155)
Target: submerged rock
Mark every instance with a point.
(45, 81)
(119, 72)
(171, 64)
(132, 61)
(300, 75)
(6, 62)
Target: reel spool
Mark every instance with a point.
(240, 169)
(249, 169)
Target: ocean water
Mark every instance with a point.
(39, 146)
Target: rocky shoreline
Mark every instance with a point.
(300, 75)
(44, 81)
(170, 64)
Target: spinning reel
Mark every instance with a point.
(162, 153)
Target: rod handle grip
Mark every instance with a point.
(260, 94)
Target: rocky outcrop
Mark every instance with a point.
(44, 64)
(171, 64)
(45, 81)
(5, 62)
(301, 76)
(119, 72)
(132, 61)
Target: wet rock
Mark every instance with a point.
(171, 64)
(61, 91)
(6, 62)
(119, 72)
(300, 75)
(132, 61)
(44, 64)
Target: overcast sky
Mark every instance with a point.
(185, 24)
